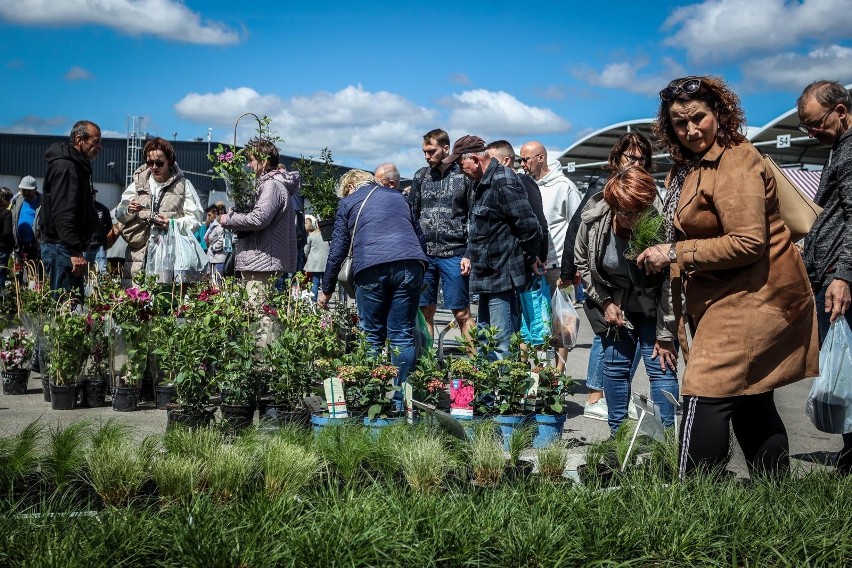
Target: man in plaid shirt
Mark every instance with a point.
(503, 239)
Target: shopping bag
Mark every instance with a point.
(535, 312)
(566, 323)
(422, 335)
(160, 258)
(829, 404)
(190, 260)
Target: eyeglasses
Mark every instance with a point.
(628, 214)
(528, 158)
(157, 163)
(818, 124)
(688, 86)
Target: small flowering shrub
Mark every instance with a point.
(16, 350)
(68, 341)
(127, 328)
(428, 382)
(552, 386)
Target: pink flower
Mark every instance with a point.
(270, 311)
(132, 293)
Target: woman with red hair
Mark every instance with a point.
(626, 316)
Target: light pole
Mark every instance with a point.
(209, 138)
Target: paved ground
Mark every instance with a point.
(807, 445)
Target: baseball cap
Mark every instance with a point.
(465, 145)
(27, 182)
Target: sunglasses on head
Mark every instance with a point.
(157, 163)
(687, 86)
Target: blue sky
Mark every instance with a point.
(367, 79)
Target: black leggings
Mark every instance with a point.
(705, 441)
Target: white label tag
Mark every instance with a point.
(335, 402)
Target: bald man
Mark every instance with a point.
(388, 175)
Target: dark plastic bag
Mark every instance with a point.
(829, 404)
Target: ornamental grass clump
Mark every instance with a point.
(551, 461)
(346, 448)
(65, 455)
(19, 456)
(116, 471)
(647, 231)
(199, 443)
(288, 468)
(178, 478)
(231, 471)
(486, 458)
(425, 463)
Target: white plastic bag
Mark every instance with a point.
(565, 324)
(190, 260)
(161, 256)
(829, 404)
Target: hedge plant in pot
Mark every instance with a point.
(513, 384)
(16, 351)
(163, 326)
(289, 372)
(127, 327)
(191, 360)
(319, 188)
(36, 307)
(237, 380)
(68, 344)
(550, 404)
(429, 382)
(96, 372)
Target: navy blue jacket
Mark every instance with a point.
(386, 232)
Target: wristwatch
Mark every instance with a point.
(672, 253)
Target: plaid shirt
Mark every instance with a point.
(503, 232)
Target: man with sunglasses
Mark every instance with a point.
(823, 110)
(68, 219)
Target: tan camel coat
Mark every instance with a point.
(746, 288)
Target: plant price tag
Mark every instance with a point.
(407, 396)
(335, 401)
(461, 399)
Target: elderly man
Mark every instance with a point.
(68, 217)
(439, 201)
(24, 207)
(503, 239)
(823, 110)
(388, 175)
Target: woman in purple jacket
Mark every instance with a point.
(388, 259)
(266, 243)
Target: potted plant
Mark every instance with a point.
(163, 326)
(429, 382)
(647, 231)
(190, 362)
(236, 379)
(288, 371)
(36, 306)
(16, 350)
(127, 327)
(379, 396)
(550, 406)
(96, 381)
(68, 344)
(319, 188)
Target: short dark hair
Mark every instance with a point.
(826, 93)
(163, 145)
(627, 141)
(5, 193)
(439, 136)
(81, 129)
(502, 146)
(630, 189)
(212, 209)
(263, 150)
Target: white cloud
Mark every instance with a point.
(625, 76)
(793, 71)
(724, 29)
(31, 124)
(167, 19)
(78, 74)
(489, 114)
(367, 126)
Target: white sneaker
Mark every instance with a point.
(597, 410)
(632, 413)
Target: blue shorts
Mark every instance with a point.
(453, 284)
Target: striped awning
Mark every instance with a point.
(806, 181)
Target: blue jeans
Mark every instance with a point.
(580, 293)
(387, 295)
(316, 284)
(594, 372)
(503, 311)
(619, 354)
(57, 263)
(823, 324)
(97, 257)
(453, 284)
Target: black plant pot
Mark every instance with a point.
(63, 397)
(177, 416)
(239, 416)
(326, 229)
(93, 392)
(146, 388)
(125, 399)
(45, 388)
(282, 415)
(15, 381)
(165, 395)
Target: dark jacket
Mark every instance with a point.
(534, 196)
(569, 264)
(386, 232)
(99, 239)
(440, 204)
(68, 214)
(7, 239)
(828, 246)
(504, 234)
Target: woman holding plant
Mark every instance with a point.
(159, 193)
(625, 315)
(748, 324)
